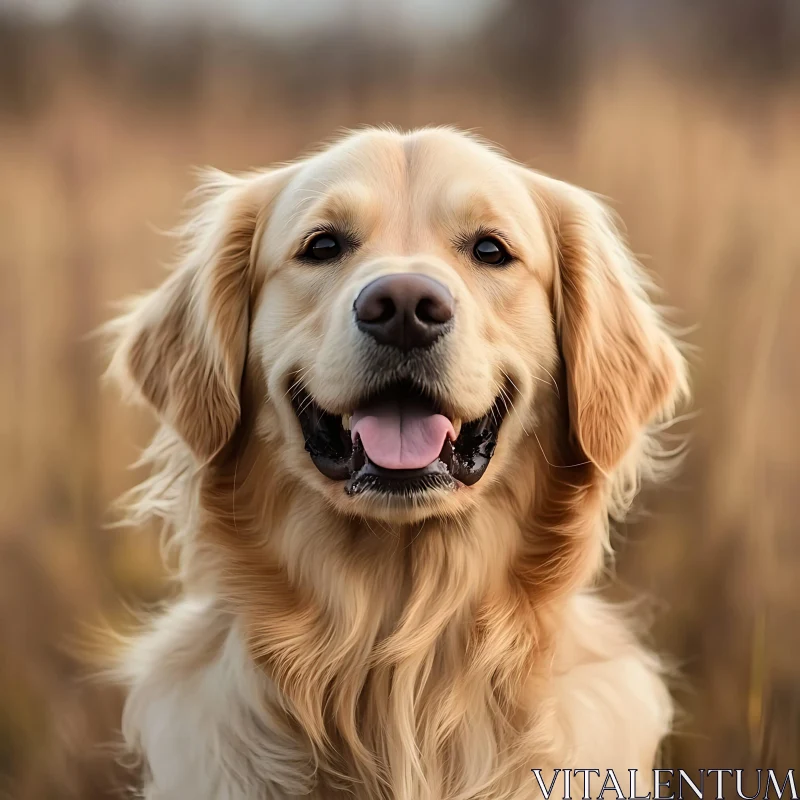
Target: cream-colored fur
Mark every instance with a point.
(328, 645)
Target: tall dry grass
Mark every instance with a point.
(705, 176)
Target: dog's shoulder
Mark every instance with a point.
(201, 715)
(609, 694)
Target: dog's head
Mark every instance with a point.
(411, 308)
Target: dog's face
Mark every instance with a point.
(404, 303)
(404, 321)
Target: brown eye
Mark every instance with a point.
(490, 251)
(323, 247)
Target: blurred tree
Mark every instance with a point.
(23, 82)
(536, 45)
(760, 36)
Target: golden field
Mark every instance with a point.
(706, 175)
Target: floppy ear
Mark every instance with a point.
(183, 346)
(623, 368)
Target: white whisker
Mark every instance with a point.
(507, 399)
(555, 383)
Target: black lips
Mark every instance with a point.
(337, 457)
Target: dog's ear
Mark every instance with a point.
(623, 368)
(183, 347)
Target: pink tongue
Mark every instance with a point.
(401, 436)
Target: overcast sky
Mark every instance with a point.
(405, 17)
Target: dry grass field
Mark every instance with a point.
(706, 175)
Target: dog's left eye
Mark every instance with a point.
(323, 247)
(490, 251)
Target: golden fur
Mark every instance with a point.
(334, 646)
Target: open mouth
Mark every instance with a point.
(398, 441)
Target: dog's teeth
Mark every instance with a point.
(457, 426)
(346, 421)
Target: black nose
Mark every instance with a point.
(405, 310)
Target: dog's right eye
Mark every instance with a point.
(323, 247)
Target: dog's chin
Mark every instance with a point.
(397, 451)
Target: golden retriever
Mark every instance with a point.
(402, 384)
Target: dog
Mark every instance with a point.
(403, 386)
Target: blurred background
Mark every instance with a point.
(685, 114)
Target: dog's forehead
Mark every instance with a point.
(390, 159)
(432, 174)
